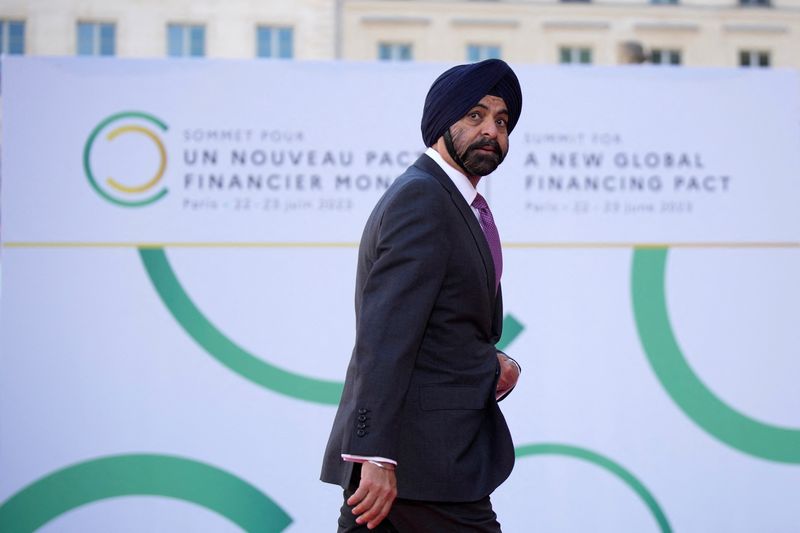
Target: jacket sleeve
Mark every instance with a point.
(399, 291)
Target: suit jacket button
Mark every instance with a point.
(362, 411)
(361, 432)
(362, 418)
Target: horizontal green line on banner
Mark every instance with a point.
(651, 244)
(518, 245)
(180, 244)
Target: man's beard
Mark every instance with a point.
(477, 162)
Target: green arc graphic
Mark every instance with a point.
(87, 150)
(511, 330)
(683, 385)
(141, 475)
(605, 463)
(236, 358)
(213, 341)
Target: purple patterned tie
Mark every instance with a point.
(492, 237)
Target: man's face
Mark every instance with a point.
(481, 136)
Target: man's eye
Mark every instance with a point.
(475, 115)
(502, 122)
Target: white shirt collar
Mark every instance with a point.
(461, 181)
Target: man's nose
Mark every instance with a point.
(489, 128)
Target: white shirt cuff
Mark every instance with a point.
(364, 459)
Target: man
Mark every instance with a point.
(418, 442)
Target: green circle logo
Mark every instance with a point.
(236, 358)
(676, 376)
(606, 464)
(142, 475)
(224, 350)
(147, 189)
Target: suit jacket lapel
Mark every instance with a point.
(429, 165)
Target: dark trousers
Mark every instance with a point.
(413, 516)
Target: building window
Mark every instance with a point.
(753, 58)
(274, 41)
(660, 56)
(184, 40)
(96, 39)
(395, 52)
(570, 55)
(479, 52)
(12, 37)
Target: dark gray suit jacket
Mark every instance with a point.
(420, 387)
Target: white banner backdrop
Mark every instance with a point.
(179, 243)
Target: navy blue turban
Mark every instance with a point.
(457, 91)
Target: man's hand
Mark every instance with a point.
(509, 374)
(375, 494)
